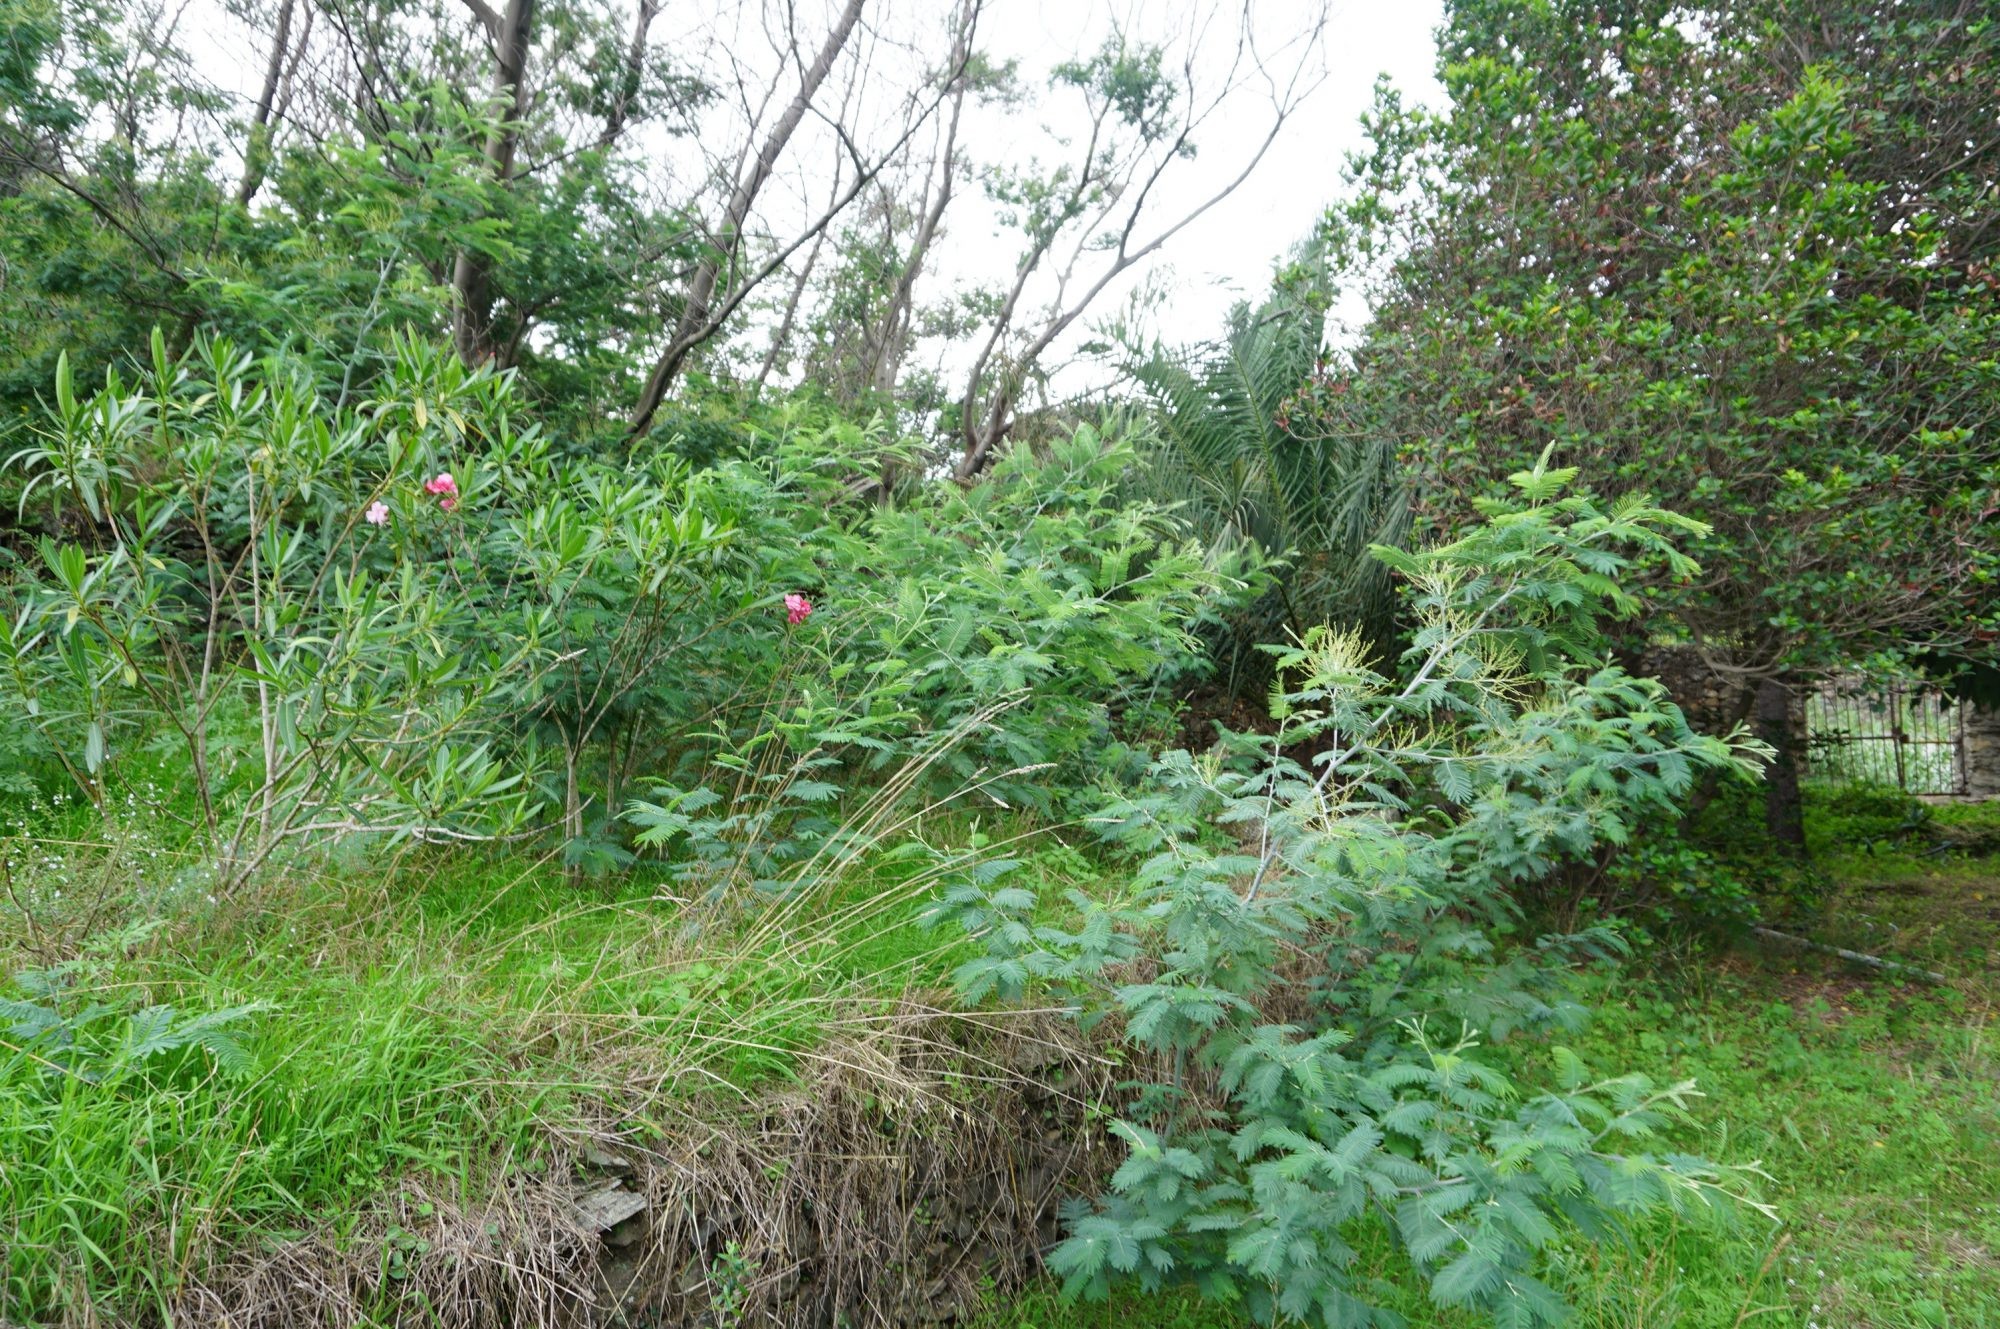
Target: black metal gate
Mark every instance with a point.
(1897, 733)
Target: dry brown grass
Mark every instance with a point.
(909, 1166)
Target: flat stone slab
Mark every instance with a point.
(609, 1205)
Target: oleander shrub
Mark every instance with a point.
(417, 616)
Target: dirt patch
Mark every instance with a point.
(1815, 988)
(1969, 1254)
(1211, 705)
(908, 1170)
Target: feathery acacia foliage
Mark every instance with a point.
(1373, 889)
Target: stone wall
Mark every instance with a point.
(917, 1166)
(1713, 704)
(1982, 751)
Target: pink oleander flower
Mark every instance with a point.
(377, 514)
(447, 503)
(797, 607)
(441, 484)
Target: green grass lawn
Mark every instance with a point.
(1873, 1103)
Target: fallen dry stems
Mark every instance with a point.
(920, 1159)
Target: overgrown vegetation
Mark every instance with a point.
(519, 810)
(1869, 1099)
(1319, 992)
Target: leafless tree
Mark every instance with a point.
(892, 339)
(1093, 220)
(863, 328)
(727, 273)
(696, 319)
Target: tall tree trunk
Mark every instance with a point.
(258, 151)
(1784, 808)
(472, 326)
(635, 68)
(1709, 782)
(289, 83)
(893, 343)
(694, 326)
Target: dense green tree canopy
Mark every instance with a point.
(1740, 256)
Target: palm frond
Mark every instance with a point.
(1230, 446)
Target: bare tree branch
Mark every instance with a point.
(991, 394)
(697, 323)
(893, 339)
